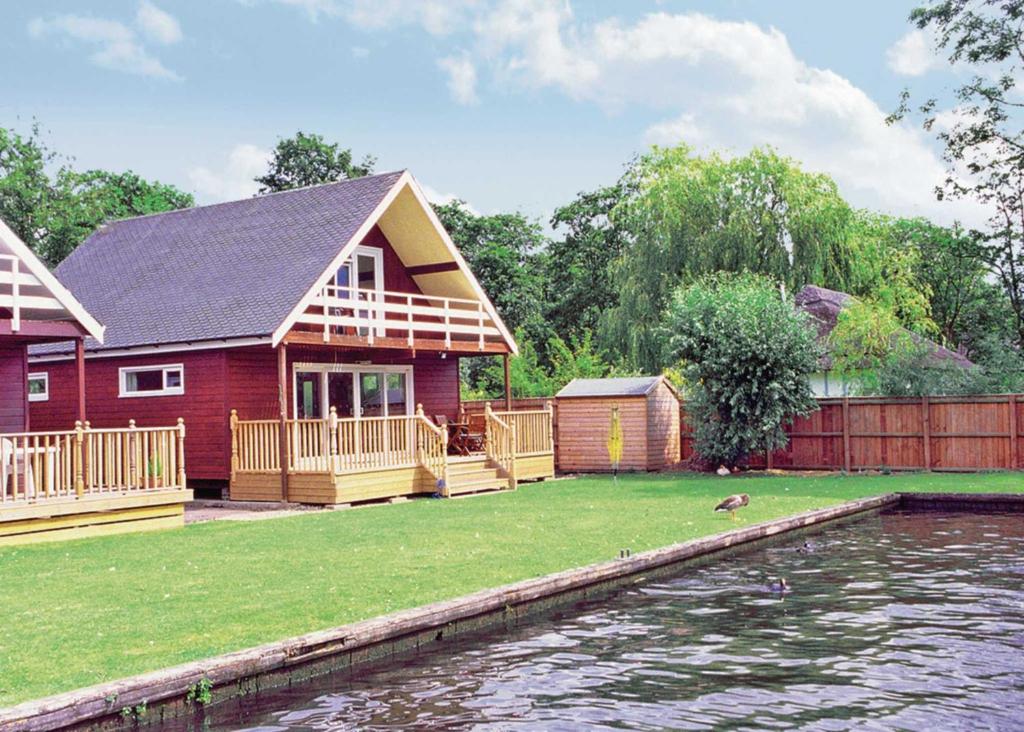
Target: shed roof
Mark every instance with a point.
(625, 386)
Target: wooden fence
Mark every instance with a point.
(873, 433)
(964, 433)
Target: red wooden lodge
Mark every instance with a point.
(310, 339)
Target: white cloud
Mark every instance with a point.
(117, 46)
(315, 8)
(235, 179)
(720, 84)
(158, 25)
(913, 54)
(461, 78)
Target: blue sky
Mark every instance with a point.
(509, 104)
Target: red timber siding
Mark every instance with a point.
(202, 406)
(13, 389)
(583, 426)
(252, 378)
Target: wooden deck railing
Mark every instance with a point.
(38, 466)
(500, 444)
(534, 429)
(363, 444)
(381, 313)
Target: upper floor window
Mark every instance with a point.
(38, 387)
(140, 381)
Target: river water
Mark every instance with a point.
(899, 621)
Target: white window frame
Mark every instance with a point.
(326, 368)
(122, 377)
(45, 395)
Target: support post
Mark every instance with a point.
(508, 384)
(847, 458)
(282, 402)
(133, 454)
(181, 453)
(926, 431)
(80, 375)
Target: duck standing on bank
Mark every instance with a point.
(733, 504)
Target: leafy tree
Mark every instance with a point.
(306, 160)
(867, 336)
(575, 360)
(746, 355)
(527, 376)
(688, 215)
(579, 277)
(980, 125)
(54, 213)
(884, 268)
(25, 187)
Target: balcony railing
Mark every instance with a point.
(41, 466)
(379, 315)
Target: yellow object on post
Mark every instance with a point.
(615, 441)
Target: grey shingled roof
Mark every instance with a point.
(222, 271)
(626, 386)
(824, 306)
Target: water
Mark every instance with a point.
(896, 622)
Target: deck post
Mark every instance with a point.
(80, 375)
(508, 384)
(282, 401)
(332, 445)
(234, 443)
(181, 452)
(78, 460)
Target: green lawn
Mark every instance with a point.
(81, 612)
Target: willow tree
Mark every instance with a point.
(688, 215)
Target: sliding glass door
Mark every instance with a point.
(354, 391)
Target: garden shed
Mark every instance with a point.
(648, 412)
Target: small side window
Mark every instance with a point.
(38, 387)
(143, 381)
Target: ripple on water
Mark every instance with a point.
(896, 622)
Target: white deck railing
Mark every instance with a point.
(39, 466)
(377, 314)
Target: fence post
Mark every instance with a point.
(1013, 451)
(181, 453)
(550, 408)
(79, 460)
(926, 431)
(847, 457)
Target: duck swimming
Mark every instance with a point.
(779, 586)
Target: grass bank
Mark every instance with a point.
(78, 613)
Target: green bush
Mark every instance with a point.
(745, 354)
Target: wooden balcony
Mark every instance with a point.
(382, 319)
(334, 460)
(88, 482)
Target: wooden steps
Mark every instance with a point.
(474, 474)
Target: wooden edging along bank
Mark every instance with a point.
(288, 661)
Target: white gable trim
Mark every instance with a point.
(51, 283)
(405, 179)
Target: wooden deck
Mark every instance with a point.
(339, 461)
(85, 482)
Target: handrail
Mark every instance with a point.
(534, 429)
(37, 466)
(338, 308)
(500, 444)
(432, 450)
